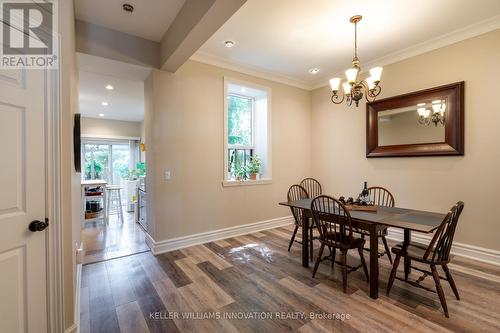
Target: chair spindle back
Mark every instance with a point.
(442, 240)
(381, 196)
(312, 186)
(332, 220)
(297, 192)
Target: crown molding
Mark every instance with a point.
(453, 37)
(217, 61)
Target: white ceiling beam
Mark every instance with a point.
(196, 22)
(111, 44)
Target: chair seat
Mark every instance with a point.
(415, 251)
(334, 239)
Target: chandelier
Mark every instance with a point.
(354, 89)
(435, 116)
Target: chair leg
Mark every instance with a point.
(120, 207)
(387, 250)
(293, 237)
(363, 262)
(333, 256)
(451, 281)
(393, 273)
(439, 290)
(344, 270)
(318, 260)
(311, 244)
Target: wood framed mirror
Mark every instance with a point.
(424, 123)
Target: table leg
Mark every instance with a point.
(373, 262)
(305, 240)
(407, 261)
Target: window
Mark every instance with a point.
(246, 143)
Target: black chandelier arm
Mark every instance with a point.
(336, 99)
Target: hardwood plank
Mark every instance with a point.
(200, 254)
(107, 241)
(151, 305)
(84, 310)
(103, 315)
(176, 275)
(255, 272)
(130, 318)
(222, 243)
(213, 295)
(246, 293)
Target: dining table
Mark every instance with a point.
(373, 222)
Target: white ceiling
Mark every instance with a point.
(150, 19)
(286, 40)
(125, 101)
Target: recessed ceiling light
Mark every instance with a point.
(104, 103)
(101, 114)
(109, 87)
(314, 71)
(229, 43)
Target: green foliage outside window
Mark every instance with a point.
(239, 120)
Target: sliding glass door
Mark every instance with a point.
(106, 161)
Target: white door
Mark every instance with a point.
(23, 281)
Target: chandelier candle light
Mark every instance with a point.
(354, 89)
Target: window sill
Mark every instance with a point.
(228, 183)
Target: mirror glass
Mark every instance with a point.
(423, 122)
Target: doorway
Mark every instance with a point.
(113, 165)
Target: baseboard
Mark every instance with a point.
(75, 328)
(163, 246)
(459, 249)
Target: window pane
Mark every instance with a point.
(239, 120)
(96, 161)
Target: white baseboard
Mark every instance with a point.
(459, 249)
(163, 246)
(75, 328)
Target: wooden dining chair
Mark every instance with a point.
(380, 197)
(312, 186)
(333, 222)
(297, 192)
(436, 253)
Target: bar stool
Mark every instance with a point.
(114, 204)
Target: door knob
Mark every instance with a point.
(36, 225)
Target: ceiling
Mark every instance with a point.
(286, 41)
(150, 19)
(125, 101)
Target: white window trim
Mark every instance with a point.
(268, 179)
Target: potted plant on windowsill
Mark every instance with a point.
(240, 173)
(253, 167)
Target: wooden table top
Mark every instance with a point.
(411, 219)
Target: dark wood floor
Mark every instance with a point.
(114, 240)
(255, 275)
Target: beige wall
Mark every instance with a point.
(430, 183)
(187, 131)
(110, 128)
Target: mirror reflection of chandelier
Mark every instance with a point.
(435, 115)
(354, 89)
